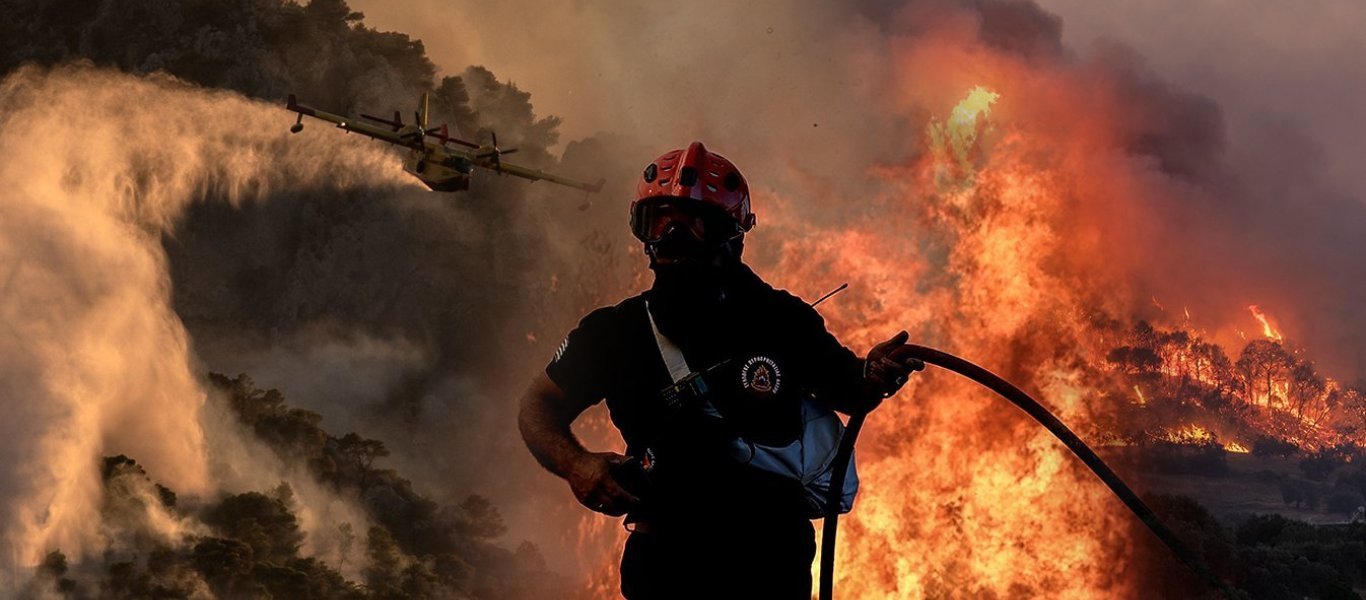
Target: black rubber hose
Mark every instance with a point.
(1039, 413)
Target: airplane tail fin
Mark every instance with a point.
(422, 111)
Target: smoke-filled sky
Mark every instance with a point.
(1267, 64)
(1274, 90)
(1259, 60)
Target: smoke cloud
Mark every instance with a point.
(100, 166)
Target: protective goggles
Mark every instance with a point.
(653, 218)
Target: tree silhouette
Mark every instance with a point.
(1261, 364)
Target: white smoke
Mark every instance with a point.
(97, 167)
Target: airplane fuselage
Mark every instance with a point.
(440, 173)
(441, 167)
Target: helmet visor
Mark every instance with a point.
(652, 218)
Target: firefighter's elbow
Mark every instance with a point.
(542, 405)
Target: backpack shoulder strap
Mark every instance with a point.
(673, 357)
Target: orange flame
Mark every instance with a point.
(1268, 329)
(962, 496)
(997, 243)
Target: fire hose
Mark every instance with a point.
(1043, 417)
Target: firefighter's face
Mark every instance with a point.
(678, 246)
(682, 231)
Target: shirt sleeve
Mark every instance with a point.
(580, 364)
(836, 372)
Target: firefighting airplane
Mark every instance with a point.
(442, 167)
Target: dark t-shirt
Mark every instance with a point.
(770, 350)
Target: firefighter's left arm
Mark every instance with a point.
(847, 382)
(837, 373)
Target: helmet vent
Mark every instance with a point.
(732, 181)
(664, 181)
(711, 188)
(687, 176)
(651, 172)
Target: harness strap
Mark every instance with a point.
(673, 357)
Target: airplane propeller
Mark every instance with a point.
(494, 152)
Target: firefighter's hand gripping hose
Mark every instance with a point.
(1039, 413)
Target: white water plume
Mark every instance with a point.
(97, 167)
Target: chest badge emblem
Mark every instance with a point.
(761, 374)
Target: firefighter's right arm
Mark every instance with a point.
(544, 419)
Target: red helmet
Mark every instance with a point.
(678, 187)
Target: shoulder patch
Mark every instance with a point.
(560, 351)
(761, 374)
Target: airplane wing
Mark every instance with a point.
(354, 125)
(505, 168)
(536, 174)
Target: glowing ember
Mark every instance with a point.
(1191, 435)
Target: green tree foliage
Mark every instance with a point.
(51, 576)
(481, 518)
(1320, 465)
(1283, 558)
(320, 50)
(504, 108)
(1270, 446)
(415, 548)
(1300, 493)
(384, 574)
(295, 433)
(226, 565)
(263, 522)
(265, 48)
(1264, 556)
